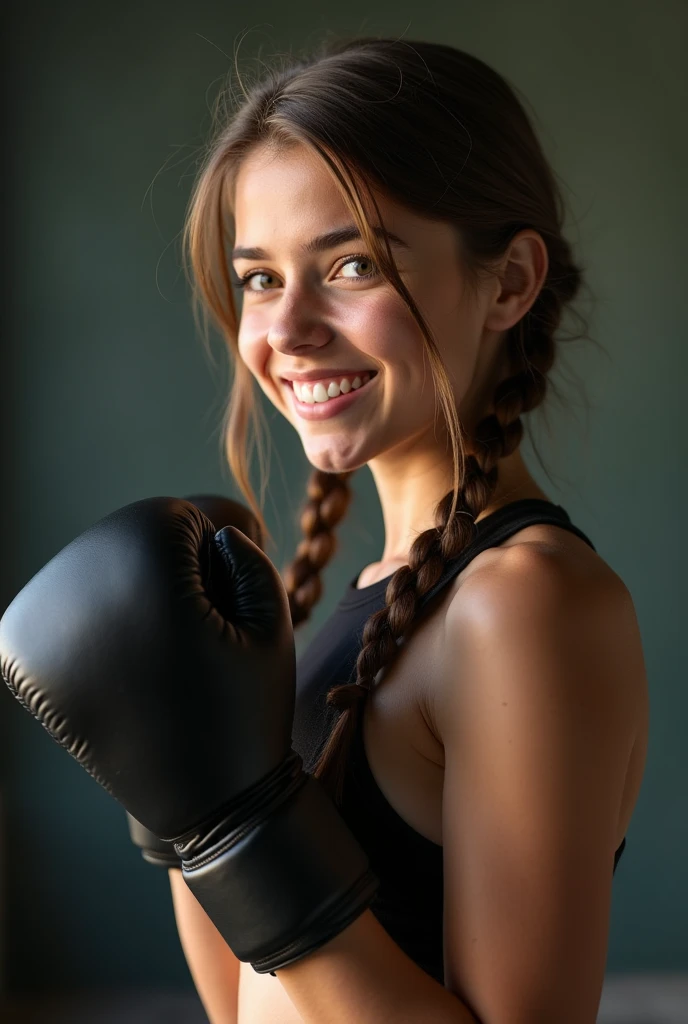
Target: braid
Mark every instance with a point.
(531, 354)
(329, 496)
(506, 186)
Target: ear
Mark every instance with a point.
(520, 276)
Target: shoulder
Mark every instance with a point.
(543, 605)
(541, 563)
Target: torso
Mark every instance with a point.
(403, 750)
(405, 754)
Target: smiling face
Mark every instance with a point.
(330, 309)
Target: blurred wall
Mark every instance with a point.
(108, 395)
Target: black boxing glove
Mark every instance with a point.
(161, 656)
(153, 849)
(221, 512)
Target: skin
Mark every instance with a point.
(537, 731)
(314, 311)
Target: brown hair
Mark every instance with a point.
(441, 132)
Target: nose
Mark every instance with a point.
(294, 326)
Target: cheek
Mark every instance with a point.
(383, 328)
(252, 351)
(255, 352)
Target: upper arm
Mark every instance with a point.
(537, 721)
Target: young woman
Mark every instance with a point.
(476, 704)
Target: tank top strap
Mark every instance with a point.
(500, 525)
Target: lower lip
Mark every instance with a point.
(333, 406)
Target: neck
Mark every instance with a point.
(409, 490)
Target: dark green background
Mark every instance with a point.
(108, 396)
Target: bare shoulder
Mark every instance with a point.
(546, 587)
(530, 565)
(546, 545)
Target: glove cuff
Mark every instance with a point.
(153, 849)
(281, 889)
(161, 858)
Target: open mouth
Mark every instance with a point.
(368, 374)
(323, 410)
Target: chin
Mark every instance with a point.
(333, 462)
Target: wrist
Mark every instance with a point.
(287, 881)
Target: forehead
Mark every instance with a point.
(280, 192)
(268, 172)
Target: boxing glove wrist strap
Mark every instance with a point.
(287, 884)
(153, 849)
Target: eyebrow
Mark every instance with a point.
(321, 243)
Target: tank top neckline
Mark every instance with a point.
(354, 595)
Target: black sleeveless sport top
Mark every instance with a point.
(409, 901)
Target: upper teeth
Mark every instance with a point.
(312, 393)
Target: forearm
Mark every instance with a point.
(363, 975)
(213, 966)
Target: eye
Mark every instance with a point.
(244, 282)
(364, 260)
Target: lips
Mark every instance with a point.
(332, 407)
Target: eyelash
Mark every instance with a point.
(242, 282)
